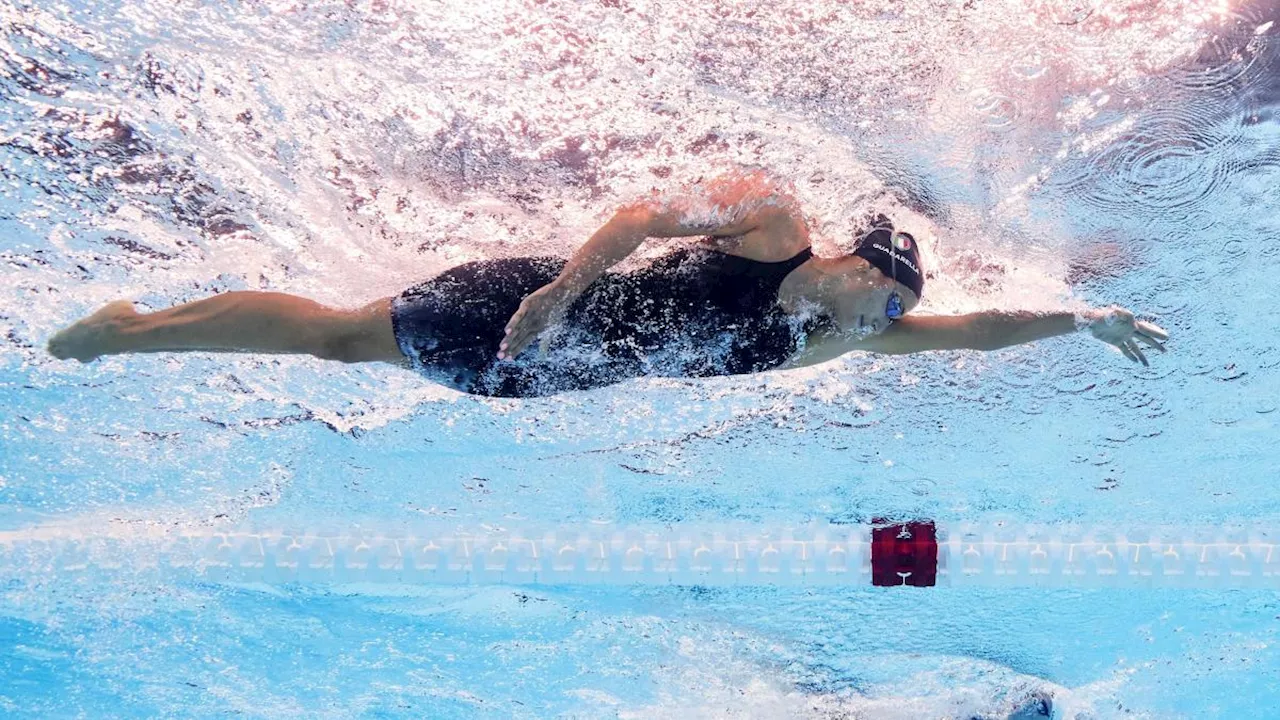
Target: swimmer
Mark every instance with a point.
(750, 298)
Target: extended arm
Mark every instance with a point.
(990, 330)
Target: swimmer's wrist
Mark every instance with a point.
(568, 286)
(1088, 319)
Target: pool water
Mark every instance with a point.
(1050, 155)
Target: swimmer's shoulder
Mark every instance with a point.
(777, 235)
(762, 247)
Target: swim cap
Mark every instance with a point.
(898, 257)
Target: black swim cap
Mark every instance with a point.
(896, 257)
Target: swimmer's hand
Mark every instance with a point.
(542, 308)
(1118, 327)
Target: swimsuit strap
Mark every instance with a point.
(778, 271)
(798, 259)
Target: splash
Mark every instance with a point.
(1046, 154)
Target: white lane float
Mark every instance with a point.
(918, 554)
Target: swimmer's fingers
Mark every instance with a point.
(509, 346)
(539, 310)
(524, 325)
(1149, 342)
(1151, 330)
(1124, 348)
(1137, 353)
(521, 334)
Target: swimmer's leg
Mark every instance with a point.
(254, 322)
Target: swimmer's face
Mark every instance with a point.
(862, 297)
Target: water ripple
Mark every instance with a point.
(1168, 163)
(996, 110)
(1223, 68)
(1071, 12)
(1170, 297)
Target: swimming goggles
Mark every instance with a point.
(893, 308)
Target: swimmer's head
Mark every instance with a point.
(862, 299)
(894, 252)
(879, 281)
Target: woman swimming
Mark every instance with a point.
(751, 298)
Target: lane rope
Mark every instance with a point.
(918, 554)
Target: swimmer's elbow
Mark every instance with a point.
(717, 216)
(638, 218)
(987, 331)
(649, 219)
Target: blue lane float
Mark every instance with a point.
(920, 554)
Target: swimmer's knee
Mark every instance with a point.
(341, 347)
(357, 336)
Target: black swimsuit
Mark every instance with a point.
(690, 313)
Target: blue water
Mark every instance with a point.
(1054, 155)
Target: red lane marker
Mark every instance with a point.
(904, 554)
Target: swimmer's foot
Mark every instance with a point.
(1039, 704)
(95, 336)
